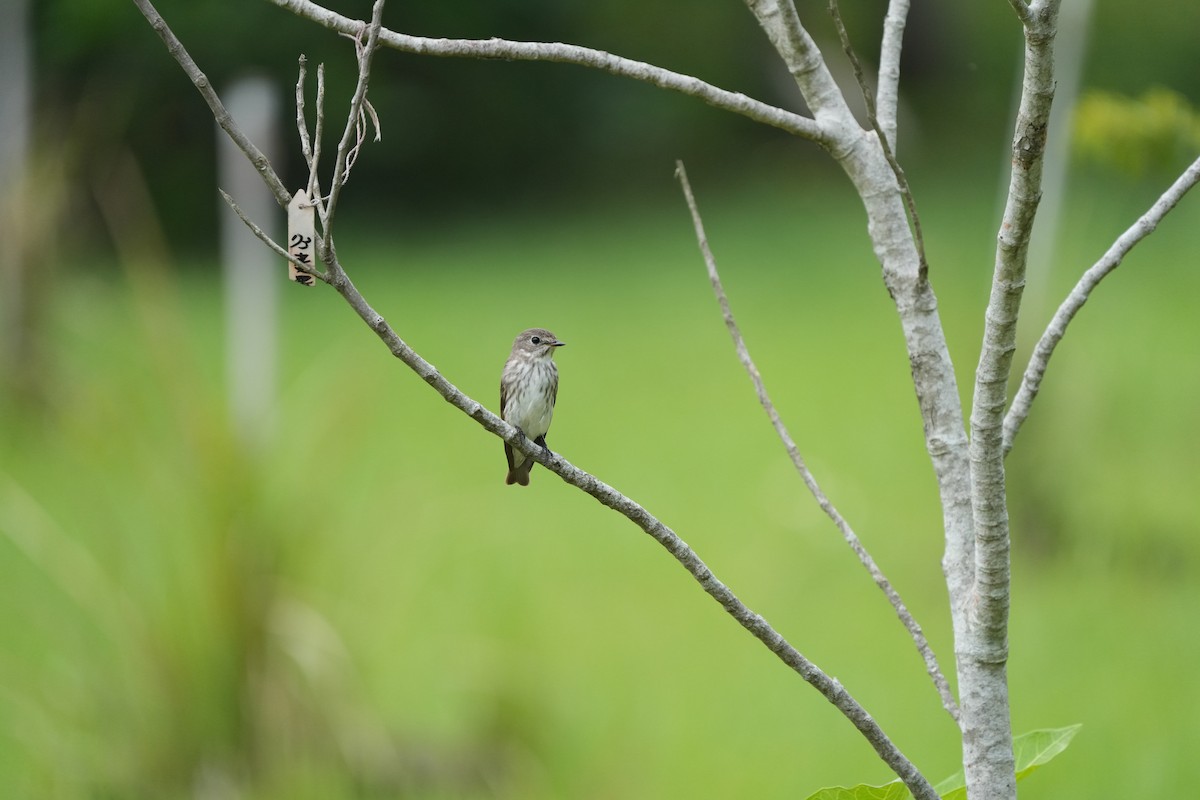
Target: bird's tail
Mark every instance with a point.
(519, 475)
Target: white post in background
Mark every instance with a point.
(16, 77)
(252, 275)
(16, 112)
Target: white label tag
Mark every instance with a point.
(302, 236)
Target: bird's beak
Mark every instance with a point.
(558, 344)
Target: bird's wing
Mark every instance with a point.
(508, 451)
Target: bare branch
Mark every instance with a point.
(781, 23)
(735, 102)
(983, 649)
(346, 151)
(1145, 225)
(302, 123)
(314, 179)
(995, 362)
(868, 99)
(200, 81)
(914, 629)
(311, 147)
(307, 269)
(887, 96)
(830, 688)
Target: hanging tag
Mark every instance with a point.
(302, 234)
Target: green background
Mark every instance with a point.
(361, 608)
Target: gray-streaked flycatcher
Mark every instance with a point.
(528, 389)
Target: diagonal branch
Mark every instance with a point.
(734, 102)
(780, 21)
(201, 82)
(758, 627)
(1145, 225)
(914, 629)
(262, 236)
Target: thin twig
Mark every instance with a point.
(887, 97)
(314, 178)
(1032, 380)
(311, 147)
(914, 629)
(301, 122)
(873, 119)
(307, 269)
(734, 102)
(345, 155)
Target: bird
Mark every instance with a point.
(528, 391)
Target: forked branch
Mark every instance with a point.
(310, 146)
(734, 102)
(885, 140)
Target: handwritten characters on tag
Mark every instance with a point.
(302, 235)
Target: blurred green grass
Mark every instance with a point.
(362, 609)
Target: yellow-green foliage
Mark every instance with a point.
(1137, 135)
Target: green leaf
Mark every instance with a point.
(1030, 750)
(889, 791)
(1036, 748)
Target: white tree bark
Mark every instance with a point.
(887, 94)
(982, 650)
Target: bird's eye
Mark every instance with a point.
(536, 340)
